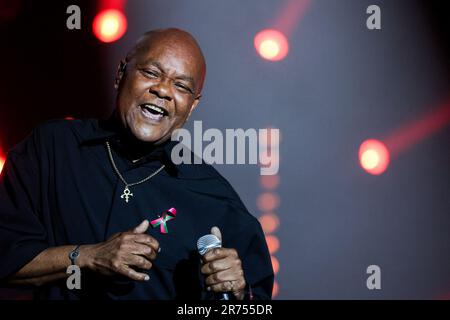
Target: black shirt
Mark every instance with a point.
(58, 187)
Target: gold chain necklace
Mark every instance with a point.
(126, 192)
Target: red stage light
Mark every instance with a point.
(109, 25)
(269, 222)
(272, 243)
(275, 289)
(270, 182)
(2, 162)
(268, 201)
(271, 44)
(374, 156)
(275, 264)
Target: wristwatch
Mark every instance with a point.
(73, 255)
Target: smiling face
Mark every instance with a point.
(160, 85)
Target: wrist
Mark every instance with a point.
(84, 259)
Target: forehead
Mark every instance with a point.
(176, 58)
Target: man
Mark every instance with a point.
(104, 195)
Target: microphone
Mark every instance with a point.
(206, 243)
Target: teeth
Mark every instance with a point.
(154, 108)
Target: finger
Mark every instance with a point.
(223, 276)
(133, 274)
(147, 240)
(235, 287)
(218, 265)
(226, 286)
(142, 227)
(219, 253)
(137, 261)
(143, 250)
(216, 231)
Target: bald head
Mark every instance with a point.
(178, 40)
(160, 85)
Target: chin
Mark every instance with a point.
(148, 135)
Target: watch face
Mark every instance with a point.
(73, 254)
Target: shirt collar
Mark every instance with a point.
(101, 131)
(111, 130)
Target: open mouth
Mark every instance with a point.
(153, 111)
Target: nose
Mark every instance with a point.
(162, 90)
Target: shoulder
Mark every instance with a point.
(206, 180)
(63, 133)
(207, 177)
(53, 134)
(58, 128)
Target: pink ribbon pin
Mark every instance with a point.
(162, 221)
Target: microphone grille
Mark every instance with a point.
(208, 242)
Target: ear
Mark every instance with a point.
(119, 74)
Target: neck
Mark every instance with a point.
(132, 147)
(135, 148)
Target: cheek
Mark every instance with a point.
(183, 106)
(128, 100)
(125, 100)
(133, 89)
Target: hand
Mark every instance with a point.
(122, 253)
(223, 270)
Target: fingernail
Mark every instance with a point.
(159, 249)
(147, 278)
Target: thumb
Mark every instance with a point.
(142, 227)
(216, 231)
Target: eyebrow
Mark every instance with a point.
(159, 66)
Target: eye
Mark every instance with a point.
(150, 74)
(184, 87)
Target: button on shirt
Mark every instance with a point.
(58, 187)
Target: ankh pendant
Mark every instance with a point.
(126, 194)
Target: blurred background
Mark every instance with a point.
(363, 114)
